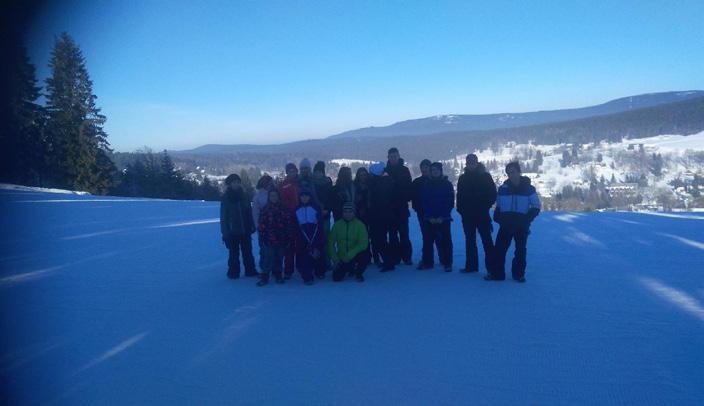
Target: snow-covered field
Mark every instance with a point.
(125, 301)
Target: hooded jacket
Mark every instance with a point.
(437, 198)
(235, 215)
(275, 225)
(417, 187)
(347, 239)
(476, 192)
(516, 206)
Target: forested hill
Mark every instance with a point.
(466, 122)
(685, 117)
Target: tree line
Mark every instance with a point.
(55, 137)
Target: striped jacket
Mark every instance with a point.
(516, 205)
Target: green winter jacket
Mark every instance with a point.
(347, 239)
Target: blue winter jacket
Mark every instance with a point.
(518, 205)
(437, 198)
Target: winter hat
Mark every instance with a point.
(437, 165)
(232, 178)
(319, 166)
(305, 163)
(290, 166)
(305, 191)
(348, 206)
(425, 162)
(377, 168)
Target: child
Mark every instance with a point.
(309, 239)
(237, 226)
(274, 237)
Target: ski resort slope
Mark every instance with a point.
(125, 301)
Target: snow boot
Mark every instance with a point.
(422, 266)
(492, 278)
(360, 278)
(468, 270)
(309, 283)
(263, 281)
(448, 268)
(279, 279)
(522, 279)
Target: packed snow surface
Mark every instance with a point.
(117, 301)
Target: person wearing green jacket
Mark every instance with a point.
(348, 246)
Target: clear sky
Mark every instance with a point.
(178, 74)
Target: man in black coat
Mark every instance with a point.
(381, 187)
(402, 194)
(417, 186)
(476, 193)
(237, 226)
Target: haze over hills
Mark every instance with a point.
(682, 117)
(471, 122)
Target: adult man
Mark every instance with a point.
(517, 204)
(476, 193)
(438, 199)
(418, 183)
(402, 193)
(348, 246)
(381, 213)
(237, 226)
(288, 192)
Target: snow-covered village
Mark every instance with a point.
(351, 203)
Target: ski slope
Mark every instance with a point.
(125, 301)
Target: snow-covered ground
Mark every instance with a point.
(125, 301)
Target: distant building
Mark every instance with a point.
(622, 189)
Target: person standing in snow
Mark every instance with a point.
(401, 196)
(275, 229)
(264, 185)
(305, 180)
(517, 205)
(476, 193)
(322, 186)
(289, 190)
(348, 245)
(381, 213)
(237, 226)
(309, 242)
(437, 200)
(343, 191)
(427, 259)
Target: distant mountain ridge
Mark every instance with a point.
(473, 122)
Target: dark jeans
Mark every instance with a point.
(503, 242)
(471, 226)
(399, 238)
(356, 266)
(243, 243)
(272, 259)
(439, 234)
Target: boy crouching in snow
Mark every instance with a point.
(309, 239)
(348, 246)
(274, 237)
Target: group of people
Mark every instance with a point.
(369, 215)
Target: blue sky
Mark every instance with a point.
(176, 75)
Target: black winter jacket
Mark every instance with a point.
(476, 192)
(381, 189)
(403, 185)
(235, 215)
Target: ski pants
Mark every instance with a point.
(428, 256)
(235, 244)
(272, 258)
(380, 231)
(503, 242)
(356, 266)
(472, 225)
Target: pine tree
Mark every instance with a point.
(22, 146)
(77, 142)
